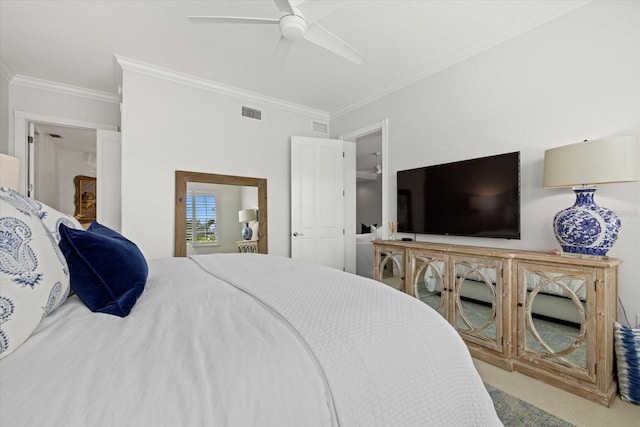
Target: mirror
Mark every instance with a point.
(476, 301)
(429, 285)
(390, 267)
(563, 338)
(217, 204)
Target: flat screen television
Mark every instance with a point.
(477, 197)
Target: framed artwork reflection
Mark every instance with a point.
(85, 198)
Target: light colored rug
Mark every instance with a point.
(514, 412)
(562, 404)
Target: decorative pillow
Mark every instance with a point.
(51, 217)
(365, 237)
(627, 344)
(365, 229)
(34, 279)
(108, 272)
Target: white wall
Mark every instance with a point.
(575, 78)
(47, 175)
(368, 203)
(35, 101)
(169, 126)
(56, 104)
(4, 114)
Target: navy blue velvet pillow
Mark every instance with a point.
(107, 271)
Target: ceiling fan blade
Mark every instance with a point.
(319, 35)
(285, 6)
(230, 20)
(282, 51)
(314, 11)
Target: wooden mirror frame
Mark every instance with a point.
(183, 177)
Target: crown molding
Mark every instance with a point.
(212, 86)
(5, 71)
(32, 82)
(474, 50)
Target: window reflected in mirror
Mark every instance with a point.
(212, 223)
(211, 214)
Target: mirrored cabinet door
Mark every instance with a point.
(477, 300)
(427, 280)
(556, 318)
(389, 266)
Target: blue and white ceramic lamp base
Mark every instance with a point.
(247, 233)
(586, 228)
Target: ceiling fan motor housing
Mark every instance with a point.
(293, 27)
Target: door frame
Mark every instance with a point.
(350, 188)
(21, 133)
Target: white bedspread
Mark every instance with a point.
(246, 340)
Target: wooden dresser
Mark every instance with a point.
(547, 316)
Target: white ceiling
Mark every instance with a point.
(73, 139)
(74, 42)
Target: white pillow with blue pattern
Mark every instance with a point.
(627, 345)
(51, 217)
(34, 278)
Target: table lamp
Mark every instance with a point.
(9, 171)
(586, 228)
(245, 216)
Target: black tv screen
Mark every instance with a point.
(477, 197)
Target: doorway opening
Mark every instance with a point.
(58, 155)
(51, 183)
(369, 183)
(365, 139)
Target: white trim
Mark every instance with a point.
(61, 121)
(209, 85)
(383, 127)
(352, 136)
(20, 133)
(6, 71)
(32, 82)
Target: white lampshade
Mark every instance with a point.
(9, 171)
(247, 215)
(593, 162)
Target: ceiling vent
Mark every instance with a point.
(251, 113)
(320, 127)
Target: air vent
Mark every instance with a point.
(320, 127)
(252, 113)
(55, 135)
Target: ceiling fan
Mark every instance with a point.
(294, 25)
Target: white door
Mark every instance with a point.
(317, 201)
(108, 179)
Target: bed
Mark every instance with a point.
(244, 340)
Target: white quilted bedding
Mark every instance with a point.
(246, 340)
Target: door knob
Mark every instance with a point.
(296, 234)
